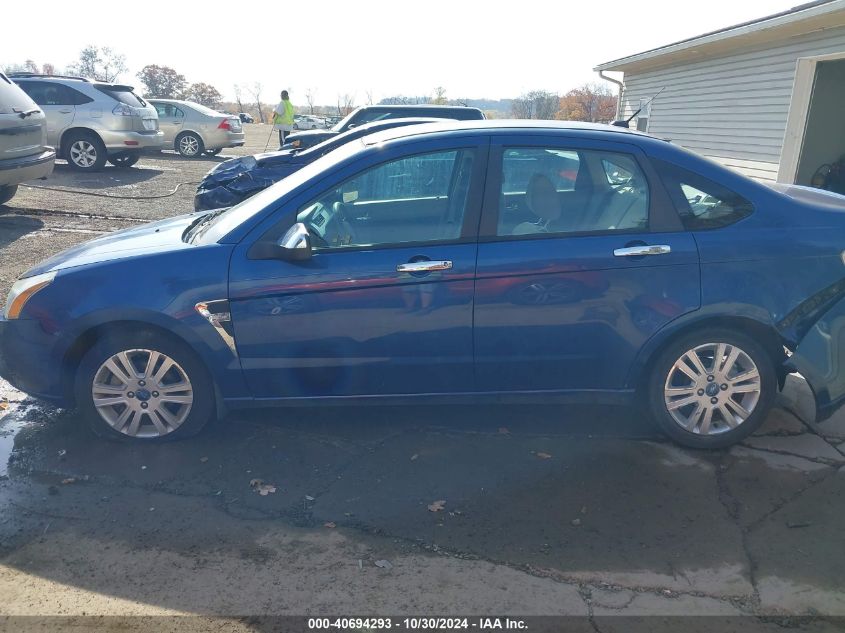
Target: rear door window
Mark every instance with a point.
(702, 203)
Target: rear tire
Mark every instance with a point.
(84, 151)
(189, 145)
(143, 387)
(7, 192)
(700, 403)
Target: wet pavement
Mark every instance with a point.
(542, 510)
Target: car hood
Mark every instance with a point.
(147, 239)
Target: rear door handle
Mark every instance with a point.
(645, 249)
(424, 266)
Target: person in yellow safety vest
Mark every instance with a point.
(283, 117)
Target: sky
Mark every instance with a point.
(369, 47)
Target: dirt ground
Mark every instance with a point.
(576, 511)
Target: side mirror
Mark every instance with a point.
(296, 243)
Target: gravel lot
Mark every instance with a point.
(547, 511)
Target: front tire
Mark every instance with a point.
(124, 160)
(711, 388)
(84, 151)
(189, 145)
(143, 387)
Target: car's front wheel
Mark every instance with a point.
(145, 387)
(711, 388)
(189, 145)
(124, 159)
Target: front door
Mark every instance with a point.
(580, 261)
(384, 305)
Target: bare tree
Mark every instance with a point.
(590, 102)
(369, 95)
(255, 91)
(440, 96)
(238, 98)
(101, 64)
(345, 104)
(310, 98)
(536, 104)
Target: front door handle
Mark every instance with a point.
(644, 249)
(424, 266)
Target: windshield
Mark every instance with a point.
(123, 94)
(214, 226)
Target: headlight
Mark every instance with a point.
(23, 290)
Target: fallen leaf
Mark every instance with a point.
(543, 455)
(503, 430)
(384, 564)
(437, 506)
(329, 524)
(576, 522)
(583, 509)
(261, 488)
(143, 468)
(309, 498)
(414, 456)
(4, 404)
(62, 453)
(69, 480)
(203, 459)
(152, 509)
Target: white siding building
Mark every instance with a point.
(766, 97)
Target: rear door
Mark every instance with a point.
(581, 259)
(171, 120)
(21, 122)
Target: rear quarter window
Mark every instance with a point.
(702, 203)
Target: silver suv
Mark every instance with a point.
(23, 154)
(91, 122)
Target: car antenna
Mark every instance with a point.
(625, 122)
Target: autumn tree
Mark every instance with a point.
(345, 104)
(204, 93)
(162, 82)
(100, 64)
(536, 104)
(48, 69)
(590, 102)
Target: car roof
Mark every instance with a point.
(498, 125)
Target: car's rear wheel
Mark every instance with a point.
(85, 151)
(711, 388)
(189, 145)
(124, 159)
(144, 387)
(7, 192)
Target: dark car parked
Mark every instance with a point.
(368, 114)
(237, 179)
(494, 260)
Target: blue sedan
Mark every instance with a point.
(505, 260)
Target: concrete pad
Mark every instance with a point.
(807, 445)
(834, 426)
(597, 509)
(652, 604)
(797, 397)
(781, 422)
(799, 552)
(777, 461)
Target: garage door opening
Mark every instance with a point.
(822, 157)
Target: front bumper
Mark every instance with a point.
(26, 360)
(17, 170)
(127, 140)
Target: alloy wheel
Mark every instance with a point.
(712, 389)
(83, 153)
(189, 145)
(142, 393)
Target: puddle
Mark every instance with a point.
(10, 425)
